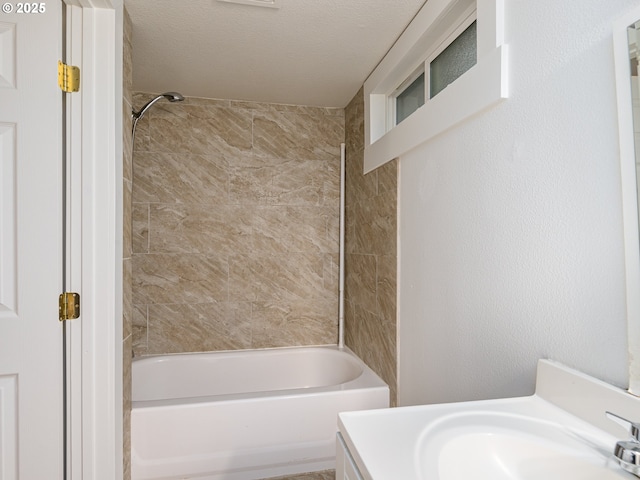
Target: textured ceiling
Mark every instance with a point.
(308, 52)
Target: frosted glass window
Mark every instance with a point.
(410, 99)
(453, 61)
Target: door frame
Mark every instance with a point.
(94, 262)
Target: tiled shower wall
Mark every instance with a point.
(371, 253)
(235, 225)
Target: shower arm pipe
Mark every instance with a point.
(140, 113)
(170, 96)
(341, 249)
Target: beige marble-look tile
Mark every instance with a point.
(358, 224)
(374, 341)
(278, 278)
(253, 185)
(386, 287)
(360, 279)
(140, 227)
(332, 182)
(278, 107)
(296, 135)
(374, 229)
(179, 178)
(139, 341)
(350, 228)
(253, 161)
(126, 447)
(332, 271)
(190, 278)
(388, 178)
(200, 129)
(207, 102)
(126, 407)
(127, 141)
(307, 109)
(333, 229)
(351, 336)
(294, 323)
(127, 215)
(322, 475)
(294, 229)
(384, 361)
(139, 316)
(199, 327)
(126, 372)
(291, 182)
(179, 228)
(309, 182)
(359, 187)
(231, 229)
(140, 98)
(354, 123)
(127, 299)
(139, 330)
(252, 106)
(381, 223)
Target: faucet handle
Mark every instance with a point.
(634, 427)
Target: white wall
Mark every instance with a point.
(511, 225)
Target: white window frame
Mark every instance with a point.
(436, 25)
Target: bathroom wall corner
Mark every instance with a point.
(371, 253)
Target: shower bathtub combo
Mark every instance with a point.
(246, 414)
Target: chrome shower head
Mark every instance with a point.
(171, 96)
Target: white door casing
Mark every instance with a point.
(30, 245)
(94, 267)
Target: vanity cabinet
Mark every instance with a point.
(346, 468)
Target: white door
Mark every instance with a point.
(30, 242)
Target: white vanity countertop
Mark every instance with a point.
(386, 444)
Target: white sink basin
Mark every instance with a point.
(560, 433)
(503, 446)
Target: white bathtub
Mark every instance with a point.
(246, 414)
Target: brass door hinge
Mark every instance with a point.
(68, 77)
(69, 306)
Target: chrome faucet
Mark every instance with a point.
(628, 451)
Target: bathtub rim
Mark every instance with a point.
(367, 379)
